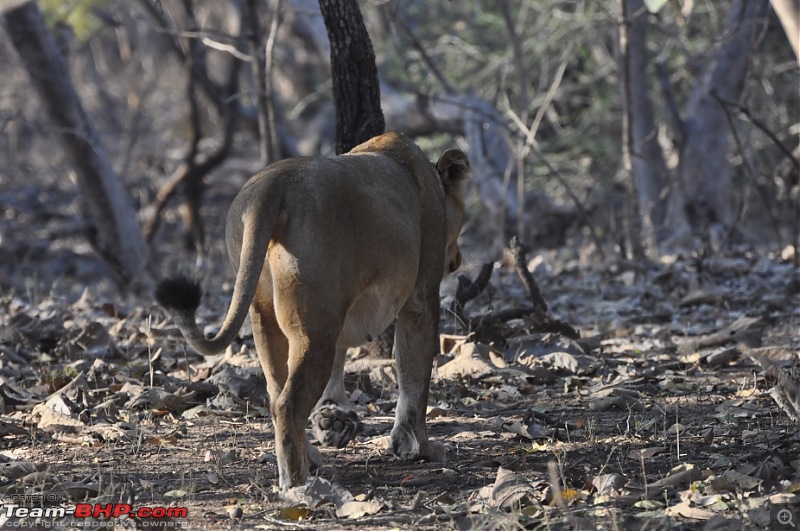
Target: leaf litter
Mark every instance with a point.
(677, 406)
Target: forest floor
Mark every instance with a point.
(673, 409)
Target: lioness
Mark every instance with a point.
(327, 252)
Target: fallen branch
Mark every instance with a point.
(484, 325)
(542, 323)
(469, 289)
(520, 251)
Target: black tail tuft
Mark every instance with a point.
(179, 293)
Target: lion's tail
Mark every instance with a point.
(181, 296)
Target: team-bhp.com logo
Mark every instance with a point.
(95, 510)
(116, 510)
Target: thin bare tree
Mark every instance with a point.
(116, 235)
(697, 199)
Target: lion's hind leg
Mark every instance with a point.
(272, 347)
(311, 329)
(291, 410)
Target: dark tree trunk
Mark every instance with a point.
(704, 170)
(631, 60)
(117, 236)
(356, 92)
(647, 159)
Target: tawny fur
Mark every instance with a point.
(327, 252)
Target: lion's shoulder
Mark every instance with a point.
(398, 147)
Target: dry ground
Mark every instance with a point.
(657, 418)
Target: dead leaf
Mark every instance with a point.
(532, 430)
(732, 481)
(578, 364)
(646, 453)
(108, 432)
(294, 513)
(245, 383)
(13, 395)
(606, 484)
(451, 342)
(471, 361)
(153, 398)
(702, 296)
(715, 502)
(162, 441)
(722, 358)
(192, 413)
(9, 428)
(509, 491)
(57, 412)
(95, 342)
(618, 399)
(528, 350)
(317, 491)
(18, 469)
(686, 510)
(680, 476)
(357, 509)
(177, 493)
(741, 409)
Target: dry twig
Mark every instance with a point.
(484, 324)
(520, 251)
(195, 166)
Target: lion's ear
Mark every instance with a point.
(453, 168)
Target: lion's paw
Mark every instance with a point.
(406, 446)
(334, 426)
